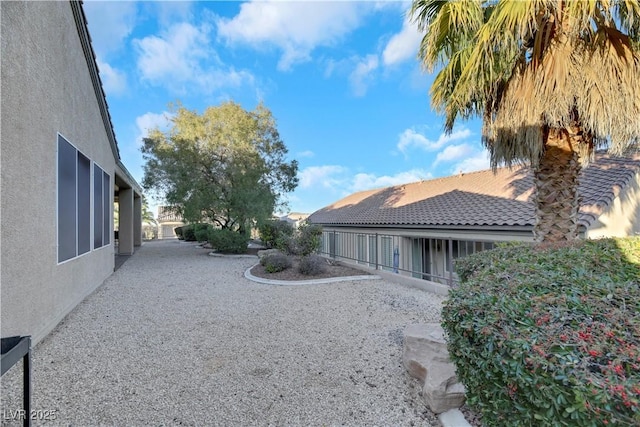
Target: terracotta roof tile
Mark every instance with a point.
(476, 199)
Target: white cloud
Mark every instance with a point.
(150, 121)
(403, 45)
(177, 53)
(454, 152)
(340, 180)
(411, 138)
(109, 23)
(306, 153)
(361, 77)
(295, 28)
(367, 181)
(114, 81)
(177, 59)
(479, 161)
(169, 12)
(329, 176)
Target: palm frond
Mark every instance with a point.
(449, 25)
(627, 12)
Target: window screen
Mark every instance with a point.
(106, 208)
(74, 203)
(67, 162)
(84, 204)
(98, 209)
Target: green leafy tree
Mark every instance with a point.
(553, 80)
(226, 166)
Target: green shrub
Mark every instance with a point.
(549, 336)
(288, 245)
(189, 233)
(309, 238)
(266, 253)
(178, 231)
(201, 231)
(228, 241)
(312, 265)
(276, 262)
(273, 230)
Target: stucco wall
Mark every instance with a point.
(46, 89)
(622, 218)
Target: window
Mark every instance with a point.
(463, 248)
(74, 202)
(101, 207)
(84, 204)
(67, 200)
(373, 254)
(362, 249)
(386, 244)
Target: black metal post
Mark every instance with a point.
(26, 386)
(14, 349)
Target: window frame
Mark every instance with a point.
(75, 225)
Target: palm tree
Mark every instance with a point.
(147, 215)
(553, 80)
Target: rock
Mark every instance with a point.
(267, 252)
(426, 358)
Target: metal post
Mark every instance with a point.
(377, 252)
(26, 382)
(450, 262)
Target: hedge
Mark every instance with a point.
(228, 241)
(549, 336)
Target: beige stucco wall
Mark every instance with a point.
(622, 218)
(166, 229)
(46, 89)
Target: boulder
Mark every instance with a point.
(426, 358)
(267, 252)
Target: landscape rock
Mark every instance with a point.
(267, 252)
(426, 358)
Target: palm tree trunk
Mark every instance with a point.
(556, 180)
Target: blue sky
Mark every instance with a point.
(340, 77)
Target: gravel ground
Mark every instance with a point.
(176, 337)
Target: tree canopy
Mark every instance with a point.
(552, 80)
(226, 166)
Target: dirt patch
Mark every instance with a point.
(293, 274)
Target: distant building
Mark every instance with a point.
(294, 218)
(168, 221)
(419, 229)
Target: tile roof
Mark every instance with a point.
(477, 198)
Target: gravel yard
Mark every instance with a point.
(176, 337)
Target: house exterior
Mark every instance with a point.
(168, 221)
(419, 229)
(61, 169)
(294, 218)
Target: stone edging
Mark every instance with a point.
(215, 254)
(249, 276)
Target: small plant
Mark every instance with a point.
(201, 231)
(178, 231)
(274, 230)
(309, 238)
(288, 245)
(189, 233)
(276, 262)
(228, 241)
(312, 265)
(267, 253)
